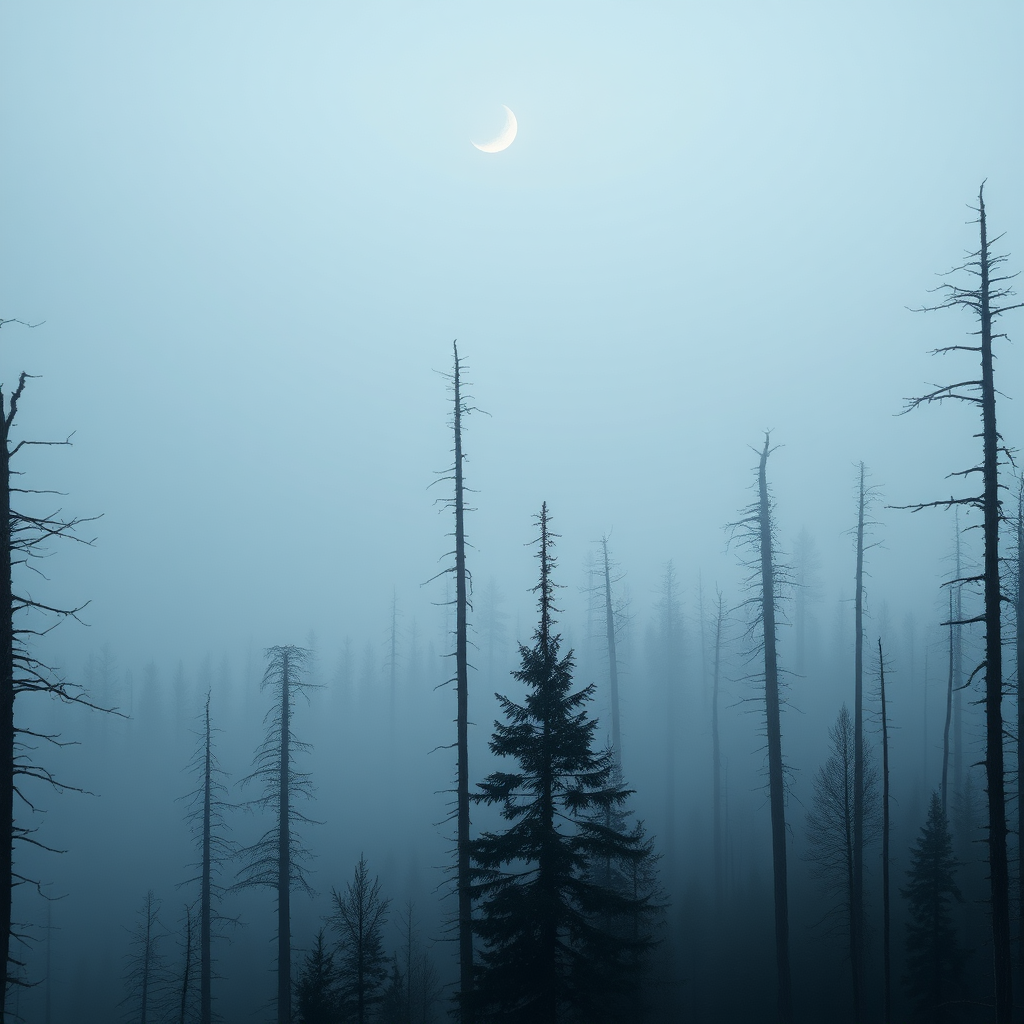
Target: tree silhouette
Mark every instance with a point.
(145, 974)
(277, 860)
(549, 954)
(832, 833)
(935, 960)
(205, 807)
(316, 991)
(983, 302)
(758, 530)
(25, 537)
(360, 914)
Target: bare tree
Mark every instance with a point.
(983, 301)
(886, 930)
(456, 503)
(144, 965)
(758, 529)
(613, 661)
(277, 860)
(716, 757)
(26, 537)
(205, 814)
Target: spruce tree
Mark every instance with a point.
(316, 991)
(935, 959)
(554, 948)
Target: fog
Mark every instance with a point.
(248, 234)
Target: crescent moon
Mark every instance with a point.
(504, 138)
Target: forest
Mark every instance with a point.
(647, 830)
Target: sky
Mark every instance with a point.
(250, 232)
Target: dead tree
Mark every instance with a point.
(886, 950)
(716, 759)
(27, 536)
(864, 523)
(613, 663)
(758, 530)
(205, 813)
(463, 588)
(984, 302)
(277, 860)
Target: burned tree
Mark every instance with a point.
(757, 528)
(456, 503)
(205, 814)
(985, 301)
(716, 758)
(27, 537)
(277, 860)
(613, 660)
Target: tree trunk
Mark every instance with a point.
(949, 709)
(1019, 608)
(613, 664)
(776, 781)
(6, 705)
(284, 943)
(857, 893)
(205, 910)
(998, 869)
(886, 958)
(462, 697)
(716, 763)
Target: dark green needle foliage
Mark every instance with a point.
(558, 938)
(935, 959)
(316, 992)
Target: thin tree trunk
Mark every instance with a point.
(998, 868)
(716, 762)
(776, 781)
(462, 697)
(205, 909)
(613, 664)
(949, 708)
(958, 673)
(886, 952)
(284, 951)
(857, 894)
(188, 965)
(6, 703)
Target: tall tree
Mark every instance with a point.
(144, 965)
(886, 937)
(983, 301)
(1018, 601)
(613, 661)
(205, 812)
(864, 523)
(360, 914)
(671, 650)
(549, 955)
(26, 535)
(832, 835)
(935, 958)
(758, 529)
(277, 860)
(457, 504)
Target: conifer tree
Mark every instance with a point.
(316, 991)
(360, 914)
(549, 954)
(277, 860)
(935, 959)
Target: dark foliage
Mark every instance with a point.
(317, 1000)
(359, 918)
(557, 942)
(935, 959)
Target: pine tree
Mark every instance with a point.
(549, 952)
(935, 959)
(316, 991)
(359, 917)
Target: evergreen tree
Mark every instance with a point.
(359, 917)
(277, 860)
(554, 949)
(935, 959)
(316, 991)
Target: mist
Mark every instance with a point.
(239, 242)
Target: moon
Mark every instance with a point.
(504, 138)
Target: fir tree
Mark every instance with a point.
(555, 948)
(316, 992)
(935, 959)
